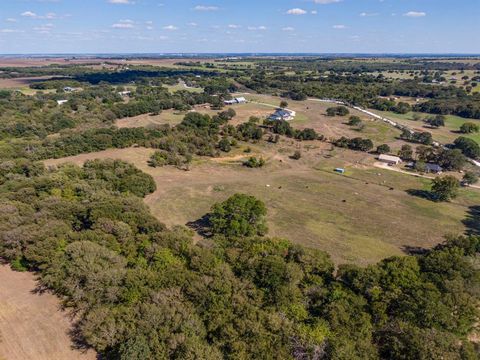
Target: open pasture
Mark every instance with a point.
(446, 134)
(360, 217)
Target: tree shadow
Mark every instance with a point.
(472, 221)
(414, 250)
(201, 226)
(424, 194)
(78, 341)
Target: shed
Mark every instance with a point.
(340, 170)
(433, 168)
(389, 159)
(61, 102)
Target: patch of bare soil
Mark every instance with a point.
(32, 326)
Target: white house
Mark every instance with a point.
(283, 114)
(389, 159)
(125, 93)
(61, 102)
(238, 100)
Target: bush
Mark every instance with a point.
(469, 127)
(296, 155)
(253, 162)
(354, 120)
(225, 145)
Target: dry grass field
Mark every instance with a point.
(172, 117)
(446, 134)
(32, 326)
(361, 217)
(36, 62)
(21, 83)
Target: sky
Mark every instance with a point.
(233, 26)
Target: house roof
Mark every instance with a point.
(389, 158)
(433, 167)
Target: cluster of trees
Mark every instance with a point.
(465, 106)
(357, 143)
(424, 137)
(337, 111)
(282, 127)
(390, 105)
(142, 291)
(435, 121)
(449, 159)
(469, 147)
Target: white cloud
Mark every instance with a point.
(9, 31)
(124, 2)
(325, 2)
(255, 28)
(296, 11)
(339, 27)
(415, 14)
(205, 8)
(49, 16)
(29, 14)
(288, 28)
(44, 29)
(11, 20)
(234, 26)
(314, 12)
(124, 24)
(170, 28)
(192, 24)
(365, 14)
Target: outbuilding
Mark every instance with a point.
(238, 100)
(433, 168)
(389, 159)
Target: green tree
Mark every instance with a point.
(240, 215)
(469, 127)
(406, 152)
(436, 121)
(354, 120)
(445, 188)
(383, 149)
(469, 178)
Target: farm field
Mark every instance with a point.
(32, 326)
(445, 134)
(21, 83)
(360, 218)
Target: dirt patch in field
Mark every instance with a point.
(32, 326)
